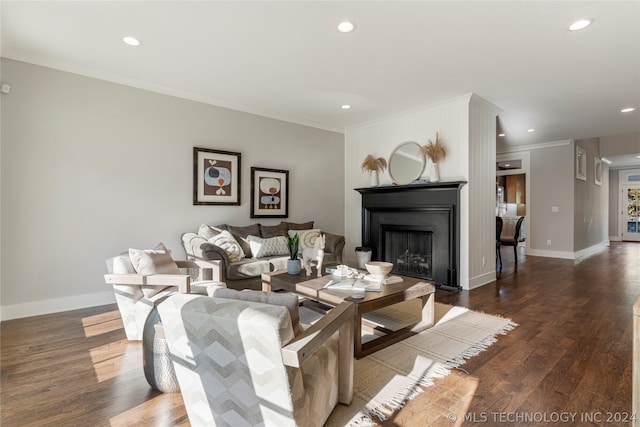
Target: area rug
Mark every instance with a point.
(384, 381)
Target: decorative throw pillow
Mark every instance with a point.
(241, 233)
(268, 247)
(307, 237)
(209, 231)
(230, 245)
(153, 261)
(290, 301)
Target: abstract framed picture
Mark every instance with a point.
(216, 177)
(269, 193)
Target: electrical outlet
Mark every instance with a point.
(548, 242)
(484, 261)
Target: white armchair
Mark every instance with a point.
(239, 363)
(137, 293)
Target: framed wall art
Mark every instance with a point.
(269, 193)
(216, 177)
(581, 163)
(597, 171)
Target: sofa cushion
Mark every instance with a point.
(302, 226)
(153, 261)
(307, 237)
(241, 233)
(261, 248)
(229, 244)
(247, 268)
(290, 301)
(209, 231)
(273, 230)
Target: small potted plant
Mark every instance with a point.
(436, 152)
(293, 264)
(374, 165)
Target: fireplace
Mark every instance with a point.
(409, 250)
(415, 227)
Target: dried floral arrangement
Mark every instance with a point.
(435, 150)
(370, 163)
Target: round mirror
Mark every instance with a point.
(406, 163)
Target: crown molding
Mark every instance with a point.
(535, 146)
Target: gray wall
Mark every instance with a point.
(591, 223)
(614, 145)
(614, 205)
(551, 185)
(90, 168)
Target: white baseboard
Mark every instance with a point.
(570, 255)
(592, 249)
(481, 280)
(37, 308)
(550, 254)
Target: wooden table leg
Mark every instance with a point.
(357, 332)
(428, 313)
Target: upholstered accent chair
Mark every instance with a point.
(137, 292)
(239, 362)
(512, 234)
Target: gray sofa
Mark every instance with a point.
(238, 266)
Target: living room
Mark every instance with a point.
(116, 171)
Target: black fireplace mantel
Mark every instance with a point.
(432, 206)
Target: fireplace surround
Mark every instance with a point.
(416, 227)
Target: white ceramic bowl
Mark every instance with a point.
(379, 269)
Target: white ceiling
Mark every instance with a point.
(286, 60)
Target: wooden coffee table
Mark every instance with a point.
(313, 288)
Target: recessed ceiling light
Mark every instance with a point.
(345, 106)
(580, 24)
(346, 26)
(507, 165)
(131, 41)
(531, 130)
(638, 157)
(501, 134)
(627, 110)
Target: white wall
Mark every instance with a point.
(452, 120)
(90, 168)
(481, 192)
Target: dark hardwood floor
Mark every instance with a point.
(568, 363)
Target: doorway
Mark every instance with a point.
(512, 195)
(631, 212)
(517, 172)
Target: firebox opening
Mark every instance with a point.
(410, 251)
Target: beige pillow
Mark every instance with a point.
(241, 233)
(268, 247)
(290, 301)
(208, 231)
(230, 245)
(153, 261)
(307, 237)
